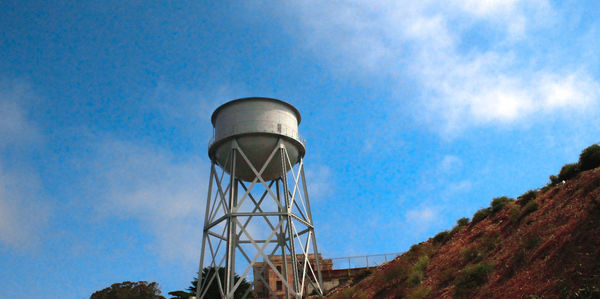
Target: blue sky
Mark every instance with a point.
(415, 114)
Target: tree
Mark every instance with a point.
(462, 221)
(130, 290)
(213, 289)
(590, 157)
(498, 203)
(568, 171)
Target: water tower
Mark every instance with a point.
(258, 221)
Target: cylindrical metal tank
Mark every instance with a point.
(257, 124)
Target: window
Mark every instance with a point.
(279, 285)
(279, 269)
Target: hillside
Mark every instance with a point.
(545, 244)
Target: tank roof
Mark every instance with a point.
(214, 115)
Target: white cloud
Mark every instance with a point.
(474, 93)
(165, 193)
(576, 91)
(420, 219)
(15, 127)
(489, 7)
(426, 214)
(509, 14)
(471, 59)
(23, 216)
(449, 164)
(460, 186)
(23, 213)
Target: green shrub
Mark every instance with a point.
(531, 241)
(587, 292)
(454, 230)
(441, 237)
(546, 188)
(590, 157)
(472, 253)
(529, 208)
(462, 221)
(415, 278)
(515, 212)
(554, 180)
(422, 263)
(362, 275)
(395, 273)
(473, 276)
(417, 274)
(480, 215)
(351, 292)
(498, 203)
(519, 258)
(588, 187)
(568, 171)
(516, 261)
(419, 292)
(360, 294)
(415, 247)
(527, 197)
(447, 275)
(346, 293)
(489, 241)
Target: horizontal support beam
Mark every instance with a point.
(250, 214)
(257, 241)
(260, 214)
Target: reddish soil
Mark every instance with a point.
(552, 252)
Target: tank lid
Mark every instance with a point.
(214, 115)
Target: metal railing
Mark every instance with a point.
(363, 261)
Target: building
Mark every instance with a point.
(331, 277)
(273, 282)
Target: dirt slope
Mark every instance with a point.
(548, 247)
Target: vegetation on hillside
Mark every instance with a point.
(213, 288)
(545, 244)
(129, 290)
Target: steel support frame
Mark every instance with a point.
(289, 227)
